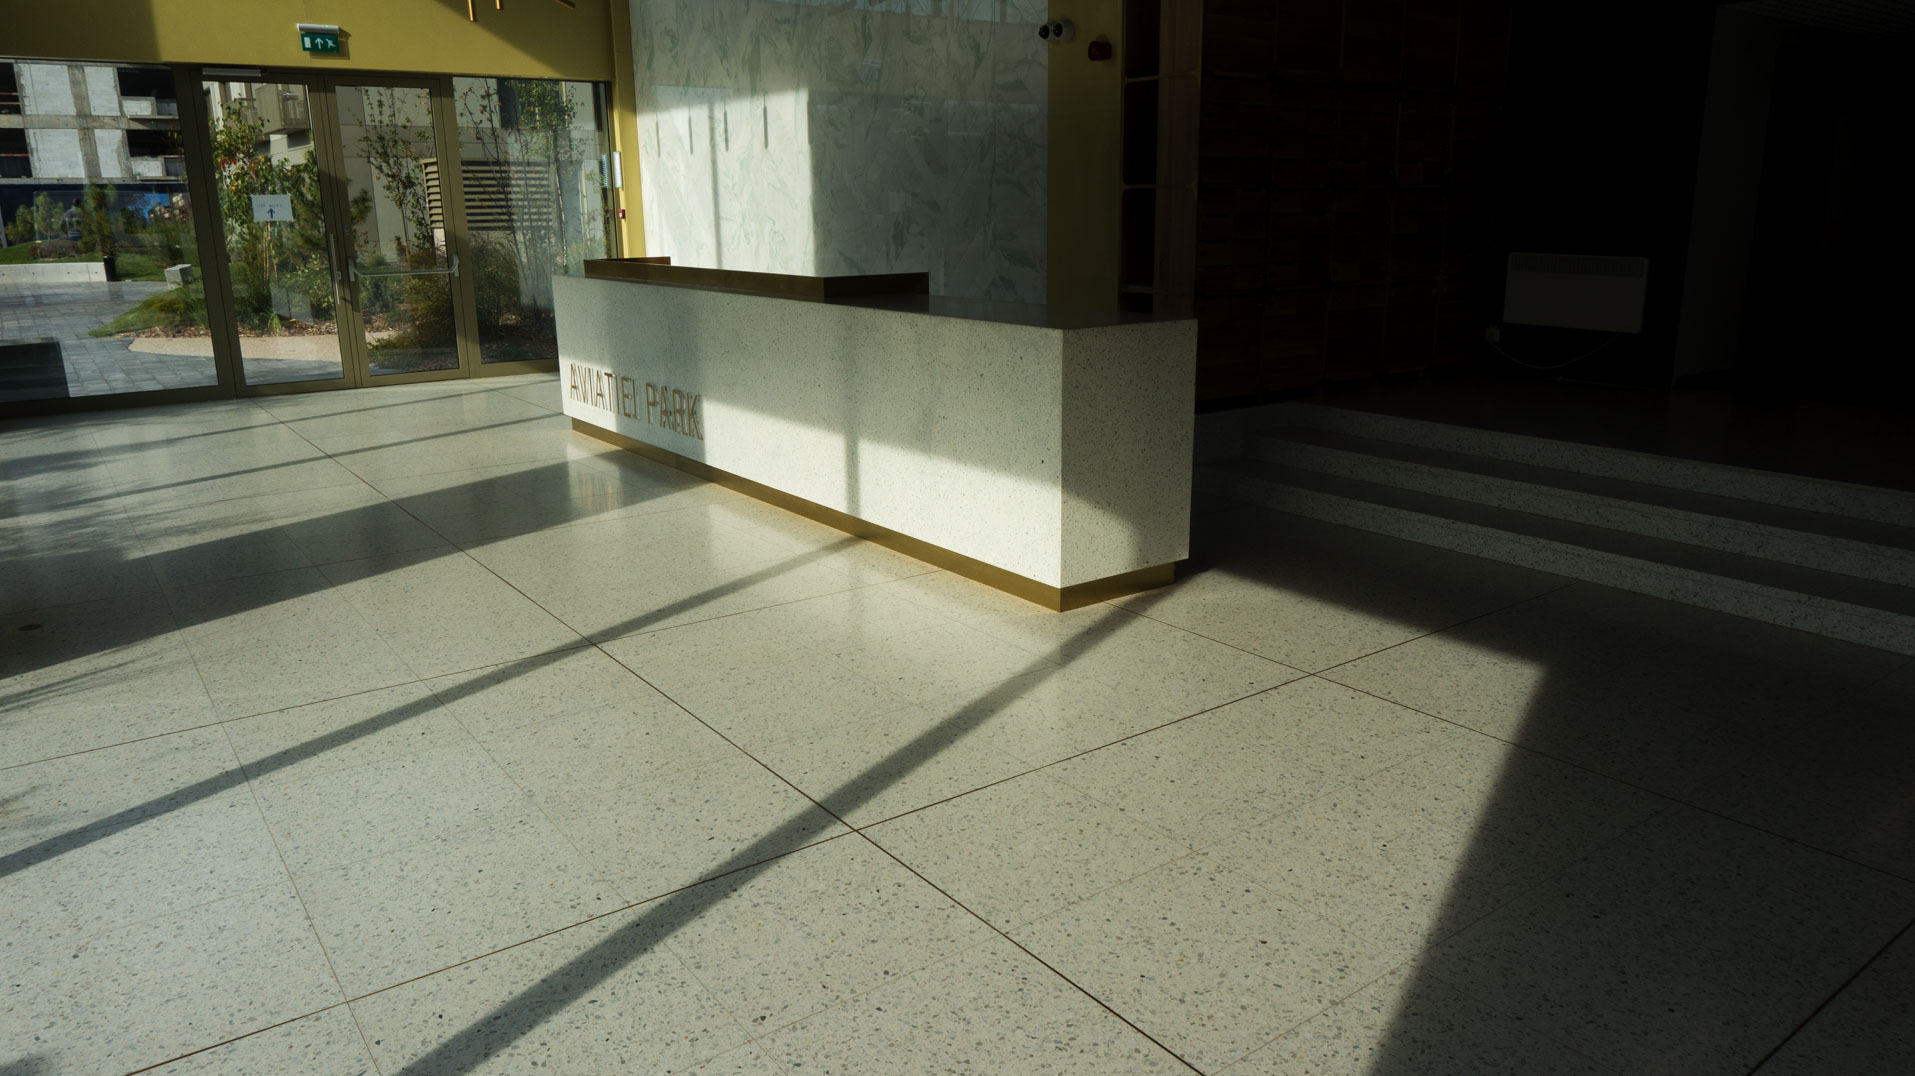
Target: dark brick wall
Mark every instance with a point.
(1346, 159)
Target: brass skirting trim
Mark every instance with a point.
(1056, 599)
(660, 271)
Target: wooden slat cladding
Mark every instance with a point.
(1346, 149)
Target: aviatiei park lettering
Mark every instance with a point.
(661, 406)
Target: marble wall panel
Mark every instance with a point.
(825, 137)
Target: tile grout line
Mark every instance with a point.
(860, 832)
(252, 789)
(1833, 994)
(1100, 1002)
(1672, 800)
(231, 720)
(589, 862)
(237, 1038)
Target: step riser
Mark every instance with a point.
(1820, 616)
(1824, 553)
(1809, 494)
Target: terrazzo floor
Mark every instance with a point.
(408, 731)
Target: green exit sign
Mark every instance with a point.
(319, 38)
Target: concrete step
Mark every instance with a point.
(1841, 606)
(1816, 495)
(1863, 548)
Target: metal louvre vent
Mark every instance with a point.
(1576, 291)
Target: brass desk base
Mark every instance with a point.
(1056, 599)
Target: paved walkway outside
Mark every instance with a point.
(409, 731)
(97, 366)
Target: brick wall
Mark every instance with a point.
(1346, 153)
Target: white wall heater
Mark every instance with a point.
(1576, 291)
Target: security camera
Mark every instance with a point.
(1057, 31)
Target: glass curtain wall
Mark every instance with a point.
(537, 202)
(341, 209)
(100, 289)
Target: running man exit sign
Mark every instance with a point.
(313, 38)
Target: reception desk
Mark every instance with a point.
(1045, 454)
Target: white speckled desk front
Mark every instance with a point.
(1061, 454)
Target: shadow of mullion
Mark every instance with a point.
(559, 988)
(82, 836)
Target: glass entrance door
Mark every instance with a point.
(337, 211)
(280, 238)
(402, 269)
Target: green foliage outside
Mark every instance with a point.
(169, 312)
(281, 277)
(138, 245)
(274, 265)
(516, 263)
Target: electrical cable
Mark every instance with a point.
(1570, 362)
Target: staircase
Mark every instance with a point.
(1825, 557)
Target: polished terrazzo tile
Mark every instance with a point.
(1168, 666)
(517, 434)
(1868, 1027)
(1688, 948)
(77, 798)
(1314, 595)
(341, 523)
(445, 613)
(585, 755)
(410, 913)
(154, 990)
(268, 642)
(1400, 1025)
(850, 618)
(659, 831)
(586, 575)
(989, 1009)
(755, 705)
(96, 674)
(938, 661)
(1208, 963)
(1020, 850)
(1580, 923)
(483, 504)
(956, 597)
(710, 652)
(1047, 716)
(1208, 776)
(202, 543)
(327, 1043)
(1839, 782)
(540, 687)
(757, 941)
(1411, 854)
(870, 770)
(173, 858)
(319, 738)
(388, 805)
(1619, 699)
(46, 570)
(606, 996)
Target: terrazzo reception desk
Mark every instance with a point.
(1044, 454)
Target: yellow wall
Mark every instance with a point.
(1086, 143)
(624, 121)
(526, 38)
